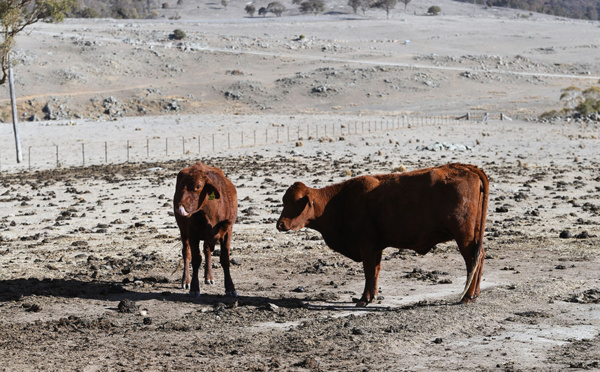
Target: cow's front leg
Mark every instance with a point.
(196, 262)
(372, 267)
(208, 272)
(186, 253)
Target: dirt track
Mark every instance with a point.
(75, 243)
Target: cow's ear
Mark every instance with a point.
(180, 177)
(309, 196)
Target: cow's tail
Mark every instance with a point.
(483, 203)
(180, 261)
(178, 266)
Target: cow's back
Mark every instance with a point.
(413, 210)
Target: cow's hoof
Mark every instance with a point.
(185, 286)
(195, 294)
(468, 300)
(209, 281)
(231, 294)
(362, 303)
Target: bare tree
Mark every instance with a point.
(312, 6)
(250, 9)
(276, 8)
(405, 3)
(354, 4)
(365, 5)
(15, 15)
(386, 5)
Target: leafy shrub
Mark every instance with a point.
(578, 9)
(434, 9)
(120, 9)
(88, 13)
(178, 34)
(578, 103)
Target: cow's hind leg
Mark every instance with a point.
(225, 243)
(474, 262)
(372, 266)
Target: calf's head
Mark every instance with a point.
(194, 187)
(298, 208)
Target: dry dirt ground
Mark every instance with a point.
(77, 244)
(89, 276)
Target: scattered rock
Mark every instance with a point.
(127, 306)
(591, 296)
(584, 235)
(358, 331)
(565, 234)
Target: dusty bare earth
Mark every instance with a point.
(76, 243)
(88, 254)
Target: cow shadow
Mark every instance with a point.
(379, 307)
(20, 289)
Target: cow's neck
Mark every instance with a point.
(325, 205)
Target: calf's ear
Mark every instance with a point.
(179, 177)
(211, 191)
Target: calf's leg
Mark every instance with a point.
(186, 253)
(225, 243)
(196, 262)
(208, 272)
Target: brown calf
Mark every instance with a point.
(362, 216)
(205, 205)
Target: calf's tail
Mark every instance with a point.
(180, 261)
(484, 193)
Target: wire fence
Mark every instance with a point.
(155, 149)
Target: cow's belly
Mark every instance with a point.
(421, 242)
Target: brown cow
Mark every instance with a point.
(205, 205)
(362, 216)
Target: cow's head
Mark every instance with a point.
(298, 208)
(194, 187)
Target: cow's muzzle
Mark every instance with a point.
(281, 226)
